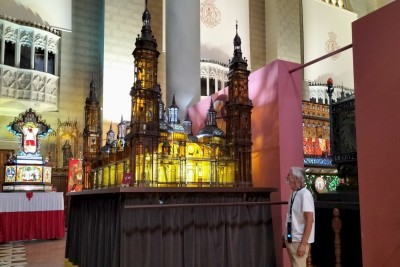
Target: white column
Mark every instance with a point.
(3, 44)
(17, 49)
(33, 53)
(182, 53)
(46, 57)
(56, 64)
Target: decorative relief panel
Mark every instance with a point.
(23, 94)
(29, 85)
(51, 90)
(222, 75)
(38, 83)
(52, 45)
(23, 81)
(209, 13)
(40, 41)
(332, 45)
(10, 34)
(203, 71)
(212, 69)
(318, 90)
(26, 37)
(8, 78)
(212, 73)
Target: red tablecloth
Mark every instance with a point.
(31, 215)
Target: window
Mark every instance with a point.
(212, 86)
(39, 59)
(25, 58)
(203, 87)
(9, 54)
(51, 63)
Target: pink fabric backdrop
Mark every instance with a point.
(376, 75)
(277, 133)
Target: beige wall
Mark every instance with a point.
(257, 34)
(122, 24)
(363, 7)
(80, 58)
(282, 25)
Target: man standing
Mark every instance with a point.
(300, 219)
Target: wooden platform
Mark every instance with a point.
(171, 227)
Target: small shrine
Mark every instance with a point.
(27, 171)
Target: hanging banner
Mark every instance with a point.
(75, 175)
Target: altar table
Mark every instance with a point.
(31, 215)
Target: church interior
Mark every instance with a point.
(189, 105)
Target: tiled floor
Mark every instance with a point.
(12, 254)
(45, 253)
(39, 253)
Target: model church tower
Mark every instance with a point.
(238, 108)
(91, 133)
(145, 94)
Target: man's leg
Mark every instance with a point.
(295, 260)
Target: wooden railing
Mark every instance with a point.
(337, 236)
(336, 226)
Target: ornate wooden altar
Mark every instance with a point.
(27, 171)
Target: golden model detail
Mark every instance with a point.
(153, 149)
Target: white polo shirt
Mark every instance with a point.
(303, 201)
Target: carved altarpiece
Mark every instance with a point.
(67, 132)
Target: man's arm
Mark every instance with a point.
(309, 220)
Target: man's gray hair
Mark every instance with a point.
(299, 174)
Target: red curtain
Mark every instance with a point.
(31, 225)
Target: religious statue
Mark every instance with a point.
(67, 153)
(30, 131)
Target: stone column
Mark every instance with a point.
(182, 53)
(3, 43)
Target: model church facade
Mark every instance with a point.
(155, 149)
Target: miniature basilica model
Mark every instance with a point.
(154, 149)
